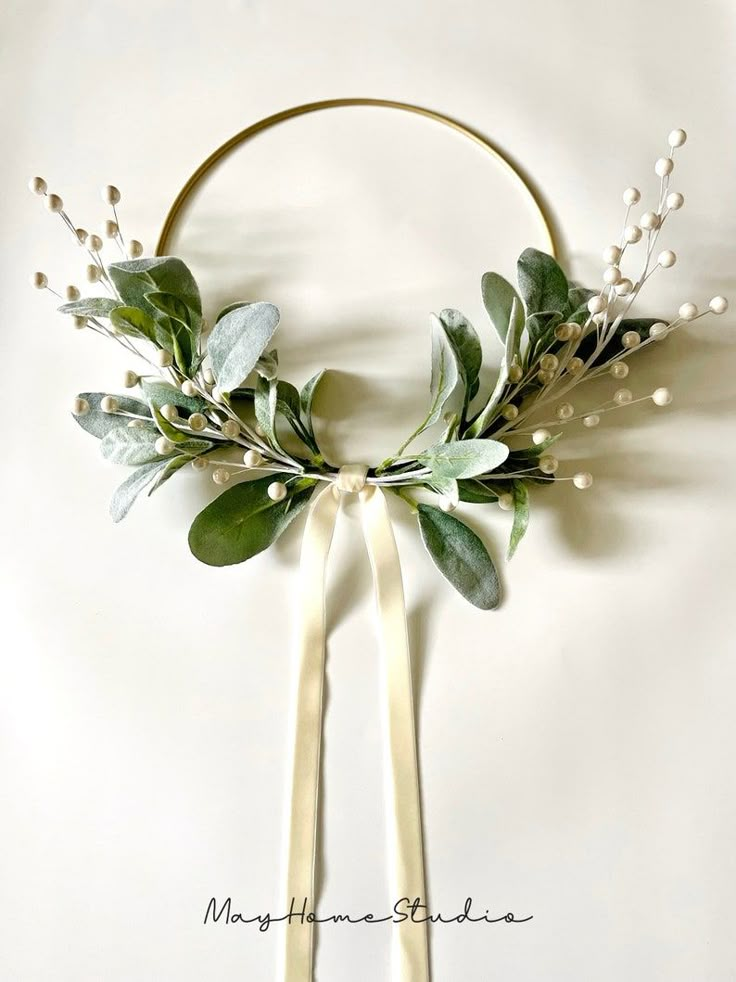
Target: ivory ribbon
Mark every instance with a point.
(409, 955)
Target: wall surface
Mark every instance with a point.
(577, 746)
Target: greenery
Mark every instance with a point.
(212, 392)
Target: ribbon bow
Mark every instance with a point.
(409, 955)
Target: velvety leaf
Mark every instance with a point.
(131, 445)
(460, 556)
(166, 428)
(445, 372)
(464, 458)
(542, 284)
(244, 521)
(306, 399)
(231, 306)
(166, 274)
(264, 405)
(171, 466)
(133, 321)
(513, 336)
(498, 297)
(90, 307)
(160, 393)
(521, 515)
(99, 424)
(579, 296)
(123, 498)
(466, 344)
(267, 365)
(475, 492)
(448, 489)
(238, 340)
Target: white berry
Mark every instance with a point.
(109, 404)
(220, 475)
(565, 410)
(78, 321)
(688, 311)
(251, 458)
(611, 255)
(277, 491)
(80, 407)
(539, 436)
(130, 380)
(632, 233)
(630, 339)
(39, 280)
(548, 464)
(619, 369)
(189, 388)
(200, 463)
(677, 138)
(37, 185)
(94, 243)
(575, 366)
(563, 332)
(664, 166)
(170, 412)
(597, 305)
(110, 229)
(163, 358)
(718, 305)
(657, 331)
(661, 397)
(72, 293)
(164, 446)
(622, 397)
(506, 501)
(230, 429)
(650, 220)
(54, 203)
(197, 422)
(94, 274)
(612, 275)
(675, 200)
(446, 504)
(624, 287)
(667, 258)
(632, 196)
(135, 248)
(583, 480)
(110, 194)
(592, 420)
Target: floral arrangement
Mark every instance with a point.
(207, 394)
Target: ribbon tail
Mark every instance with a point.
(307, 734)
(409, 948)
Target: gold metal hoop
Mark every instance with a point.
(310, 107)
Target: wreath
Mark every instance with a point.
(212, 397)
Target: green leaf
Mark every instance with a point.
(475, 492)
(466, 345)
(166, 274)
(131, 445)
(160, 393)
(484, 417)
(99, 424)
(133, 321)
(244, 521)
(579, 297)
(178, 324)
(498, 298)
(541, 327)
(238, 340)
(542, 283)
(445, 372)
(166, 428)
(521, 515)
(460, 556)
(124, 496)
(267, 365)
(463, 458)
(170, 468)
(306, 399)
(264, 405)
(90, 307)
(231, 306)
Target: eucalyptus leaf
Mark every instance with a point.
(460, 556)
(99, 423)
(238, 340)
(160, 393)
(133, 321)
(131, 445)
(244, 521)
(542, 284)
(463, 458)
(90, 307)
(124, 496)
(466, 344)
(520, 495)
(498, 298)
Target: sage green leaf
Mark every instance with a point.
(98, 423)
(445, 378)
(579, 296)
(460, 556)
(513, 336)
(166, 274)
(466, 344)
(542, 284)
(160, 393)
(521, 515)
(170, 306)
(124, 496)
(541, 327)
(170, 467)
(177, 321)
(498, 298)
(238, 340)
(306, 399)
(166, 428)
(534, 451)
(131, 445)
(133, 321)
(90, 307)
(475, 492)
(244, 521)
(264, 406)
(231, 306)
(267, 365)
(463, 458)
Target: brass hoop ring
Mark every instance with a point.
(310, 107)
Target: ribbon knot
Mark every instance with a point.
(351, 478)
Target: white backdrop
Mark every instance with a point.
(577, 745)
